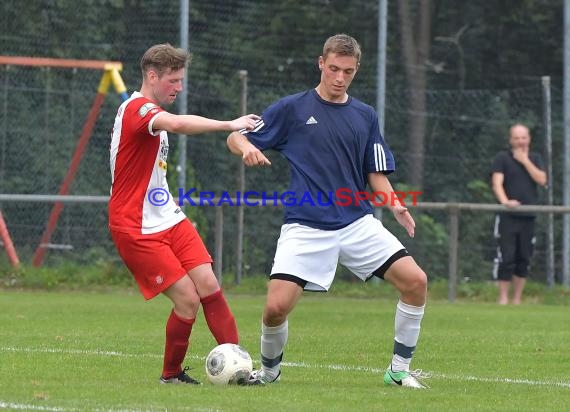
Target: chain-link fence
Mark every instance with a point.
(44, 109)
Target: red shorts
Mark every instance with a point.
(160, 259)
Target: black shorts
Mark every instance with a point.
(516, 245)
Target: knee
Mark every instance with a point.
(208, 285)
(416, 287)
(506, 270)
(187, 303)
(274, 314)
(420, 282)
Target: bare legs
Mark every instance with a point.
(518, 288)
(504, 286)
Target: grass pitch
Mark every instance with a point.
(76, 351)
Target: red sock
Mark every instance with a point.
(219, 317)
(177, 335)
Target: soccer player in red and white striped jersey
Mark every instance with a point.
(158, 244)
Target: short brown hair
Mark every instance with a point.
(162, 57)
(343, 45)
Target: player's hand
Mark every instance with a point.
(254, 157)
(245, 122)
(404, 218)
(512, 203)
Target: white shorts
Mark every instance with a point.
(313, 254)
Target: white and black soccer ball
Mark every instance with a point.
(228, 364)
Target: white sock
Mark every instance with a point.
(407, 326)
(273, 340)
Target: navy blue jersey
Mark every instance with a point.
(331, 148)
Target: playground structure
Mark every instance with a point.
(111, 76)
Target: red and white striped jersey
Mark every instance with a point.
(140, 199)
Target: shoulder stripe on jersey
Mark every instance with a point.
(258, 125)
(379, 157)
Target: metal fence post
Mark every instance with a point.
(219, 242)
(241, 185)
(453, 250)
(547, 121)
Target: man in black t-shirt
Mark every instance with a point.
(515, 175)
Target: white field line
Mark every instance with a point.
(456, 377)
(30, 407)
(93, 352)
(25, 407)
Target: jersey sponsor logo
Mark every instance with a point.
(145, 108)
(311, 120)
(163, 154)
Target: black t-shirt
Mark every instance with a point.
(517, 181)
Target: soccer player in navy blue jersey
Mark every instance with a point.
(332, 142)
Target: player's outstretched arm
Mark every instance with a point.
(192, 124)
(251, 155)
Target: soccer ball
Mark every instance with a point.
(228, 364)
